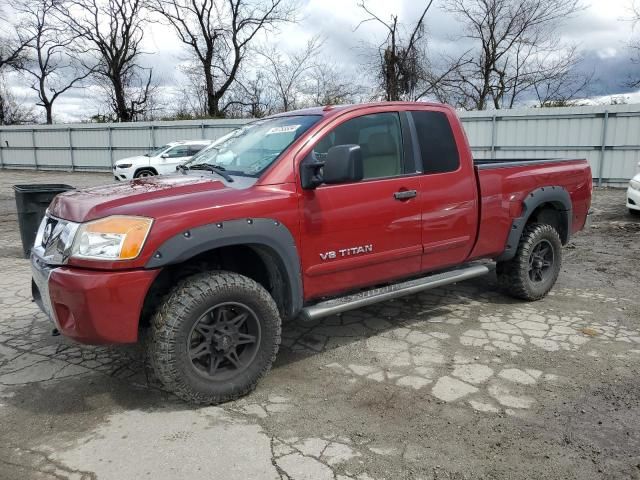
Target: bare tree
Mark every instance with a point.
(12, 110)
(288, 73)
(218, 34)
(635, 43)
(562, 82)
(251, 96)
(112, 31)
(49, 57)
(329, 85)
(13, 41)
(399, 67)
(515, 49)
(404, 68)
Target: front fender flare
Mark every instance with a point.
(265, 232)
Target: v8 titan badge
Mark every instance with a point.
(347, 252)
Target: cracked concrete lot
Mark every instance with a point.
(455, 383)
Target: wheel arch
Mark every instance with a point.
(151, 169)
(551, 205)
(262, 249)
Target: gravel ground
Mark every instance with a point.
(455, 383)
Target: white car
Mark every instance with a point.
(160, 161)
(633, 195)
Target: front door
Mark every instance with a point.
(172, 158)
(366, 232)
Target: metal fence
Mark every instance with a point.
(95, 146)
(607, 136)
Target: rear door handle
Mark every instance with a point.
(405, 194)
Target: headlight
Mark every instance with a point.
(111, 238)
(123, 165)
(635, 184)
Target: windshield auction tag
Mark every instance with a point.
(283, 129)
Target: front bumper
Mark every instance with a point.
(123, 174)
(633, 199)
(91, 306)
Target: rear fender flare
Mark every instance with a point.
(556, 195)
(264, 232)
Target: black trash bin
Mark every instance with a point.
(32, 202)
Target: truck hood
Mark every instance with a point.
(132, 197)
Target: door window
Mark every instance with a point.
(438, 147)
(380, 139)
(193, 149)
(179, 151)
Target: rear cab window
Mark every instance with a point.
(438, 148)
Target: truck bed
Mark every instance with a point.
(514, 162)
(504, 183)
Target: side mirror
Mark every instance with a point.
(164, 155)
(343, 164)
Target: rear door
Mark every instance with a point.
(448, 190)
(366, 232)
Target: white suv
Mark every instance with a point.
(160, 161)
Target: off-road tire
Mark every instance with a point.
(181, 310)
(513, 275)
(144, 172)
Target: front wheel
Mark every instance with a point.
(536, 266)
(214, 337)
(144, 173)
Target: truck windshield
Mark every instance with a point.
(249, 150)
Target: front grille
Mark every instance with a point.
(53, 245)
(48, 232)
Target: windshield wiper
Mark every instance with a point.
(219, 169)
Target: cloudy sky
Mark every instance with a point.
(602, 32)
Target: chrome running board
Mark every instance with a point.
(369, 297)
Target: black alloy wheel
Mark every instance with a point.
(541, 261)
(534, 269)
(224, 341)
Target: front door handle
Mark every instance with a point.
(405, 194)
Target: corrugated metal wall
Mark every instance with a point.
(608, 136)
(97, 146)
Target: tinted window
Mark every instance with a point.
(180, 151)
(380, 140)
(193, 149)
(437, 144)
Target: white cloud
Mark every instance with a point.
(600, 30)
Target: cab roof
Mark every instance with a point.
(330, 110)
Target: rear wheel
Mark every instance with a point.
(144, 172)
(215, 336)
(536, 266)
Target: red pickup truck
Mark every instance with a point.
(296, 216)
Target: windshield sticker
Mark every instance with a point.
(283, 129)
